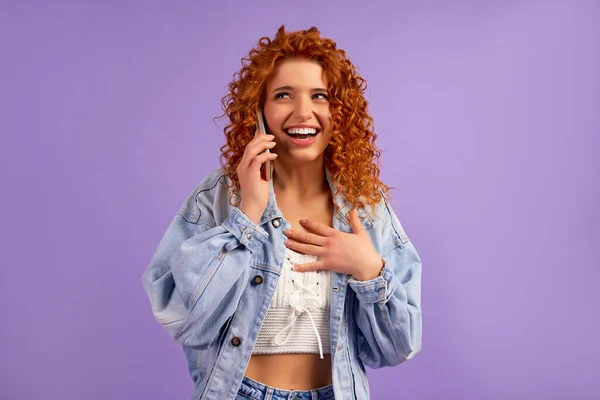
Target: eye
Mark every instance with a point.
(282, 95)
(321, 96)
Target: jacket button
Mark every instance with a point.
(276, 222)
(258, 279)
(236, 341)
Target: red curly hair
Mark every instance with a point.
(351, 156)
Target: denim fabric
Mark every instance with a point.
(251, 389)
(202, 290)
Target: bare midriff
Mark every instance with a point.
(291, 371)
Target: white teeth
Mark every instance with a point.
(302, 131)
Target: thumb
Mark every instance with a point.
(355, 223)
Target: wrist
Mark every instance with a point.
(251, 213)
(371, 272)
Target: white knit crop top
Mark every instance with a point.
(297, 320)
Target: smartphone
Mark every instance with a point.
(266, 170)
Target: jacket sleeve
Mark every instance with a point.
(387, 309)
(198, 272)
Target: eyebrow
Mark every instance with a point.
(292, 89)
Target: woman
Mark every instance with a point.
(286, 287)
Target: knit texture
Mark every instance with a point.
(298, 315)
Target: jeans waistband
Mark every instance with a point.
(260, 391)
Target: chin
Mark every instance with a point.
(306, 157)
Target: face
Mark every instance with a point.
(297, 111)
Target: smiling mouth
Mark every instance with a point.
(302, 133)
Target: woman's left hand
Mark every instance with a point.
(346, 253)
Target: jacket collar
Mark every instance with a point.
(272, 211)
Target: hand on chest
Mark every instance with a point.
(317, 211)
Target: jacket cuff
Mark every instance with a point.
(374, 290)
(245, 230)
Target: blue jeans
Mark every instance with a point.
(254, 390)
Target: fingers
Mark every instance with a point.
(314, 266)
(305, 237)
(355, 223)
(320, 229)
(260, 143)
(257, 146)
(305, 248)
(260, 160)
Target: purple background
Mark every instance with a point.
(488, 115)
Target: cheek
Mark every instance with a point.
(275, 121)
(325, 119)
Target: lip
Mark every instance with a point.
(303, 142)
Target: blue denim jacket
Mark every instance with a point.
(201, 286)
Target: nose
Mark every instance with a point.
(304, 109)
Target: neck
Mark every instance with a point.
(301, 180)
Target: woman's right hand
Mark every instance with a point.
(255, 190)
